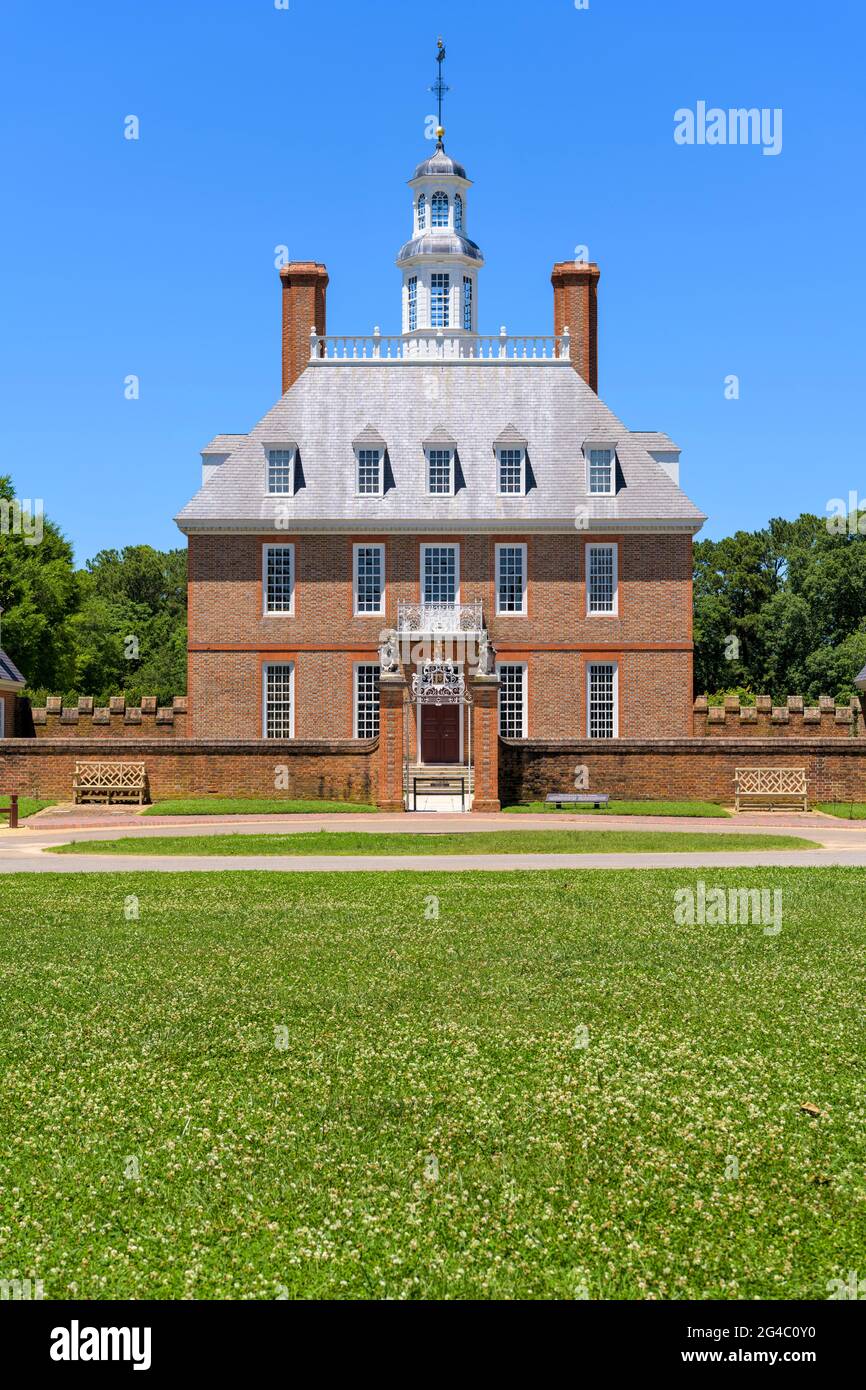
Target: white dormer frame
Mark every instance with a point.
(451, 451)
(510, 449)
(590, 447)
(281, 446)
(371, 448)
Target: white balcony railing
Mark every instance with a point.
(440, 346)
(444, 618)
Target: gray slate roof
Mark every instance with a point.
(9, 671)
(333, 403)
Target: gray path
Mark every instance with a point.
(28, 862)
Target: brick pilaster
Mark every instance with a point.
(485, 742)
(390, 771)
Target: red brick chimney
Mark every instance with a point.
(575, 307)
(304, 284)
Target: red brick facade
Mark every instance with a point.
(650, 638)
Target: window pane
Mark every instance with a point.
(467, 303)
(458, 214)
(369, 471)
(602, 578)
(368, 578)
(278, 701)
(511, 470)
(439, 470)
(512, 700)
(279, 578)
(440, 574)
(366, 702)
(440, 289)
(510, 575)
(601, 721)
(281, 470)
(439, 208)
(600, 470)
(413, 303)
(422, 213)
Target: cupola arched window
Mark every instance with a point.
(422, 213)
(458, 214)
(440, 210)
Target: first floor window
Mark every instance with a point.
(369, 578)
(439, 576)
(440, 290)
(369, 472)
(601, 697)
(440, 471)
(279, 711)
(601, 471)
(281, 470)
(467, 303)
(511, 579)
(512, 699)
(279, 578)
(511, 472)
(413, 303)
(367, 701)
(601, 579)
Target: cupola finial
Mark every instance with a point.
(440, 88)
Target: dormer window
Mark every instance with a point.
(510, 463)
(440, 472)
(458, 213)
(600, 467)
(422, 213)
(369, 463)
(439, 205)
(281, 470)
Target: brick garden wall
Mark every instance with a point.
(698, 769)
(116, 720)
(794, 719)
(332, 771)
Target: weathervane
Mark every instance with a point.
(440, 87)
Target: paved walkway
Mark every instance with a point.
(843, 843)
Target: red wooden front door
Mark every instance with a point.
(440, 734)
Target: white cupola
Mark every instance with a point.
(439, 264)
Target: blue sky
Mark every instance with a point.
(261, 126)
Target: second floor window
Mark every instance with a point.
(279, 578)
(511, 579)
(413, 303)
(601, 471)
(467, 303)
(439, 207)
(440, 290)
(369, 472)
(281, 471)
(601, 579)
(369, 578)
(440, 581)
(440, 471)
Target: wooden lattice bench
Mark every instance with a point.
(108, 783)
(771, 787)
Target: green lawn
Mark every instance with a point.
(376, 1086)
(27, 806)
(475, 842)
(251, 806)
(627, 808)
(844, 809)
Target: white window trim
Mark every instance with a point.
(613, 611)
(525, 665)
(380, 491)
(511, 448)
(615, 665)
(440, 448)
(368, 612)
(266, 665)
(588, 450)
(441, 545)
(356, 665)
(277, 612)
(511, 612)
(290, 449)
